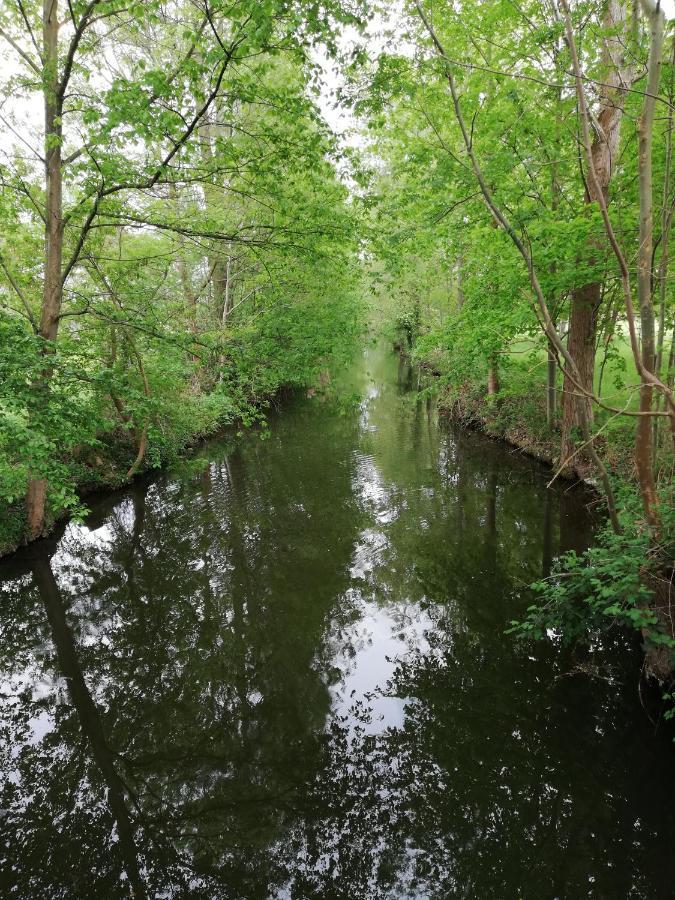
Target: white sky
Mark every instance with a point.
(339, 118)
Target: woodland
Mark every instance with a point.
(184, 237)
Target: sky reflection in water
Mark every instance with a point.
(286, 676)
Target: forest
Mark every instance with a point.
(209, 209)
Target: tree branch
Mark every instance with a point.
(20, 294)
(22, 53)
(150, 182)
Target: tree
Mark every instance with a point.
(167, 139)
(615, 74)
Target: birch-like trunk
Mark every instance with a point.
(643, 440)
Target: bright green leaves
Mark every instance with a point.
(210, 251)
(610, 584)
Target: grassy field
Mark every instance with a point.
(620, 381)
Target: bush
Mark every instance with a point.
(623, 580)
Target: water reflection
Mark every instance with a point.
(287, 677)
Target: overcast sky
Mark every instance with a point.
(339, 119)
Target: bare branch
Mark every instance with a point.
(20, 294)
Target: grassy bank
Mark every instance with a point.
(101, 424)
(517, 412)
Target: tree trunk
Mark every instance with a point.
(581, 346)
(643, 438)
(556, 193)
(227, 294)
(666, 220)
(493, 377)
(460, 286)
(551, 370)
(184, 274)
(52, 288)
(220, 265)
(585, 301)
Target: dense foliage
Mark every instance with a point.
(624, 579)
(200, 244)
(520, 213)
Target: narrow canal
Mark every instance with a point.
(283, 673)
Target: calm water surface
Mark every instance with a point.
(285, 676)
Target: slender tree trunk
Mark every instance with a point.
(581, 347)
(460, 285)
(142, 435)
(220, 264)
(666, 221)
(188, 290)
(212, 198)
(493, 377)
(643, 440)
(585, 301)
(227, 295)
(53, 265)
(551, 362)
(186, 283)
(551, 371)
(219, 280)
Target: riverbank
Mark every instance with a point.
(516, 414)
(515, 420)
(113, 463)
(108, 468)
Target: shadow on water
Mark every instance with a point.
(287, 676)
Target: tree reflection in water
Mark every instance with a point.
(287, 677)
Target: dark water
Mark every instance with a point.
(286, 676)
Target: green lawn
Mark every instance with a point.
(619, 380)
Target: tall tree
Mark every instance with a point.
(615, 75)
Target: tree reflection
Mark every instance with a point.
(287, 677)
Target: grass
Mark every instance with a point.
(617, 386)
(518, 414)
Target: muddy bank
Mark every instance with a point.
(487, 416)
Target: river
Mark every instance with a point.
(282, 672)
